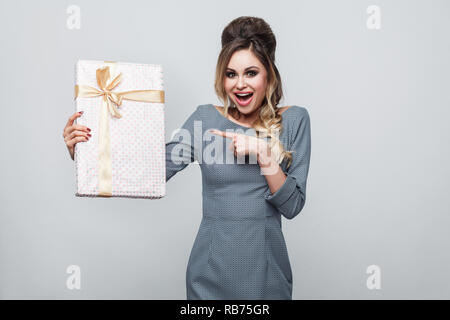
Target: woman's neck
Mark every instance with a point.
(247, 120)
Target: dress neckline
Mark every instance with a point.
(240, 125)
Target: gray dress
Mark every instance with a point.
(239, 251)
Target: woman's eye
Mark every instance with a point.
(251, 72)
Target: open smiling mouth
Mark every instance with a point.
(244, 99)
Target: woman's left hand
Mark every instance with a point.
(243, 144)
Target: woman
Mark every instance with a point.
(240, 251)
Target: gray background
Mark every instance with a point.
(379, 175)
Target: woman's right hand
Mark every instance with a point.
(74, 133)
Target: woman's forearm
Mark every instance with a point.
(271, 170)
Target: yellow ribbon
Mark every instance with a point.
(110, 101)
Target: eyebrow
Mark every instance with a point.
(245, 68)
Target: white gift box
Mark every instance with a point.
(125, 156)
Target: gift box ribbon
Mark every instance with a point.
(110, 101)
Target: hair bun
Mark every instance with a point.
(250, 29)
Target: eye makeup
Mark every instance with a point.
(254, 73)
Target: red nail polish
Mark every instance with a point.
(89, 134)
(81, 112)
(89, 129)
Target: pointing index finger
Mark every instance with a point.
(229, 135)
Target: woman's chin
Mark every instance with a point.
(246, 110)
(242, 109)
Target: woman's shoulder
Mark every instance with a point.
(296, 118)
(294, 111)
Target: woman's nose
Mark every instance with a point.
(241, 83)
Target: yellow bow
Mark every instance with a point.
(110, 102)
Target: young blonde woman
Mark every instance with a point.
(240, 251)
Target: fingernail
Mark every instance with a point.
(89, 134)
(89, 129)
(81, 112)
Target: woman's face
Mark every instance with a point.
(246, 74)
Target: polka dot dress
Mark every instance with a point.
(240, 251)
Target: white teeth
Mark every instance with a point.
(243, 94)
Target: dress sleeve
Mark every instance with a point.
(180, 150)
(290, 198)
